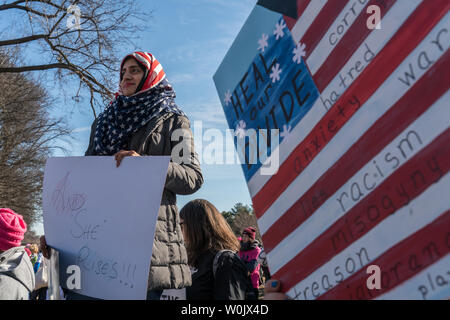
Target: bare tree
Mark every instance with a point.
(77, 39)
(31, 237)
(26, 133)
(240, 217)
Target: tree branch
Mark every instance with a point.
(22, 40)
(28, 9)
(34, 68)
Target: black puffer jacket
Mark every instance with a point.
(169, 265)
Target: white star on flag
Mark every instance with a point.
(240, 129)
(263, 42)
(299, 52)
(279, 33)
(227, 99)
(286, 133)
(276, 71)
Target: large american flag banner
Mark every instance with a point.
(364, 144)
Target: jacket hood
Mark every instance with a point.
(16, 264)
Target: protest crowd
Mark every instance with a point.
(238, 274)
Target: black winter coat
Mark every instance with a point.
(227, 283)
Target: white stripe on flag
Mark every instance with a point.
(376, 41)
(307, 18)
(424, 285)
(331, 210)
(333, 36)
(381, 101)
(395, 228)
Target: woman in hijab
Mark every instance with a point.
(141, 120)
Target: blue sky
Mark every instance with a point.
(190, 39)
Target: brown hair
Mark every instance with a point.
(206, 229)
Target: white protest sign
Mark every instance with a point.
(174, 294)
(102, 218)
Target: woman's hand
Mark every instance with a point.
(272, 290)
(124, 153)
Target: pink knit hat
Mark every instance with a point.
(250, 231)
(12, 229)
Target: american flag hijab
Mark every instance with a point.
(126, 115)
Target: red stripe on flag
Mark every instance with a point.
(412, 32)
(432, 163)
(301, 7)
(321, 24)
(343, 51)
(411, 106)
(400, 263)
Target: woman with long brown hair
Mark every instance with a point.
(217, 271)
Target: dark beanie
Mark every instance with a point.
(251, 232)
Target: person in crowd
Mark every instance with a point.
(217, 271)
(16, 270)
(41, 268)
(34, 255)
(142, 120)
(249, 253)
(262, 260)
